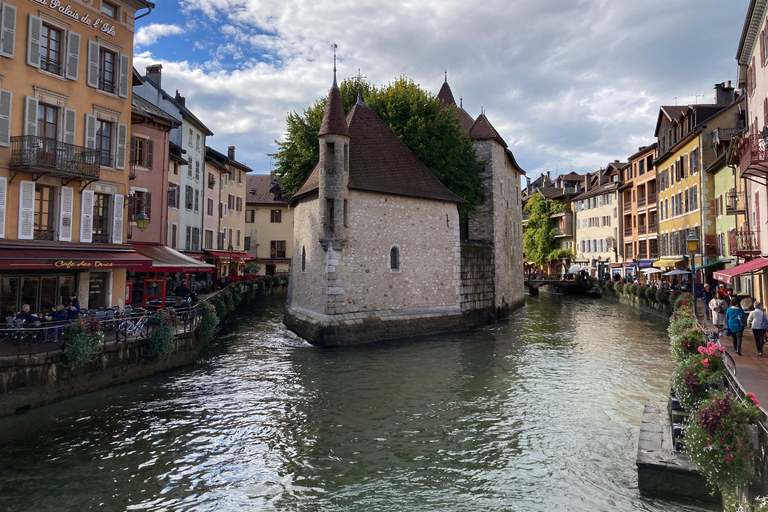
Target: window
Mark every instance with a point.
(174, 236)
(209, 210)
(44, 212)
(104, 142)
(209, 238)
(394, 259)
(239, 177)
(173, 195)
(239, 203)
(107, 70)
(189, 141)
(197, 200)
(188, 242)
(100, 218)
(226, 179)
(47, 121)
(345, 213)
(231, 201)
(277, 248)
(238, 238)
(189, 168)
(189, 198)
(197, 144)
(50, 49)
(303, 259)
(247, 243)
(109, 9)
(197, 170)
(250, 216)
(329, 154)
(275, 216)
(195, 239)
(141, 152)
(329, 217)
(230, 236)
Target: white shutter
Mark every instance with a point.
(125, 73)
(90, 132)
(93, 64)
(122, 139)
(73, 55)
(86, 217)
(3, 193)
(65, 222)
(70, 126)
(117, 220)
(33, 41)
(26, 210)
(8, 31)
(6, 106)
(30, 115)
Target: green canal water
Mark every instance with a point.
(541, 413)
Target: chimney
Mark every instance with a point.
(724, 94)
(231, 152)
(548, 178)
(587, 182)
(155, 73)
(180, 99)
(528, 182)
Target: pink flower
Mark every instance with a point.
(741, 447)
(726, 449)
(750, 457)
(756, 401)
(701, 350)
(705, 362)
(722, 349)
(751, 395)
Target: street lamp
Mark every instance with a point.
(229, 250)
(636, 264)
(693, 247)
(599, 267)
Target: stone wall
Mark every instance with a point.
(477, 277)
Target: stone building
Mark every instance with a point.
(377, 246)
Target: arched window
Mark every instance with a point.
(394, 259)
(303, 259)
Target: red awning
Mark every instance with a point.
(165, 259)
(236, 256)
(52, 258)
(728, 274)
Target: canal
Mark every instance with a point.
(538, 414)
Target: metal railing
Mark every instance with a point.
(743, 241)
(751, 151)
(627, 206)
(735, 203)
(651, 198)
(641, 201)
(40, 154)
(641, 230)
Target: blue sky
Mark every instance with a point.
(567, 83)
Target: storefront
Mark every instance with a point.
(44, 278)
(172, 265)
(222, 260)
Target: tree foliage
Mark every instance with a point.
(539, 236)
(416, 116)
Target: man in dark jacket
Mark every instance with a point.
(182, 292)
(706, 296)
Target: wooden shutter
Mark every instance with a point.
(30, 115)
(710, 246)
(148, 204)
(125, 73)
(148, 145)
(90, 132)
(3, 202)
(6, 107)
(65, 222)
(713, 207)
(117, 220)
(122, 138)
(70, 125)
(8, 31)
(26, 210)
(33, 41)
(86, 216)
(73, 55)
(762, 48)
(93, 64)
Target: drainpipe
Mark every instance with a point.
(145, 14)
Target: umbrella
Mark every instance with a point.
(651, 271)
(676, 272)
(585, 267)
(574, 268)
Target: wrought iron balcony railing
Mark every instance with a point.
(49, 156)
(743, 242)
(735, 203)
(752, 157)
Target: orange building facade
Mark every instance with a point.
(639, 212)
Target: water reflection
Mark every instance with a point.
(541, 413)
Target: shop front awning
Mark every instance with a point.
(712, 264)
(236, 256)
(69, 259)
(165, 259)
(749, 267)
(669, 263)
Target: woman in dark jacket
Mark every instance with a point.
(73, 308)
(736, 319)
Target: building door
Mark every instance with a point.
(97, 290)
(270, 270)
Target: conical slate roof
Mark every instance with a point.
(445, 95)
(333, 118)
(482, 129)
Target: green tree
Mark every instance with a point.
(539, 236)
(416, 116)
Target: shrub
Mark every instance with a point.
(237, 295)
(82, 341)
(609, 286)
(683, 298)
(162, 335)
(688, 343)
(699, 374)
(208, 323)
(619, 287)
(717, 439)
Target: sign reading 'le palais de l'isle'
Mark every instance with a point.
(85, 19)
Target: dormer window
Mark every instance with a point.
(109, 9)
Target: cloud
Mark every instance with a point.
(148, 35)
(566, 82)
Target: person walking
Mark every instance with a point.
(758, 322)
(706, 297)
(736, 320)
(718, 307)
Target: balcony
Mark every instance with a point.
(652, 229)
(651, 199)
(752, 158)
(627, 206)
(628, 232)
(743, 242)
(44, 234)
(735, 203)
(39, 155)
(101, 238)
(640, 202)
(641, 230)
(560, 232)
(721, 135)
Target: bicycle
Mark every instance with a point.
(133, 327)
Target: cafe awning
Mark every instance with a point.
(50, 258)
(667, 263)
(712, 264)
(728, 274)
(236, 256)
(165, 259)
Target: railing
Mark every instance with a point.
(627, 206)
(651, 198)
(641, 230)
(752, 154)
(735, 203)
(652, 227)
(44, 234)
(627, 231)
(743, 242)
(101, 238)
(526, 216)
(39, 154)
(640, 201)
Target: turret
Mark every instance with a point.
(334, 171)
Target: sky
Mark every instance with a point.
(569, 84)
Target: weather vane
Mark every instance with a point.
(359, 78)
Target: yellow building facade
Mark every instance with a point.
(269, 225)
(65, 115)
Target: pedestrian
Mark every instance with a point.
(718, 306)
(736, 320)
(182, 292)
(706, 297)
(722, 292)
(758, 322)
(73, 308)
(26, 316)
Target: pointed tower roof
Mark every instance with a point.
(333, 118)
(482, 129)
(446, 98)
(445, 95)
